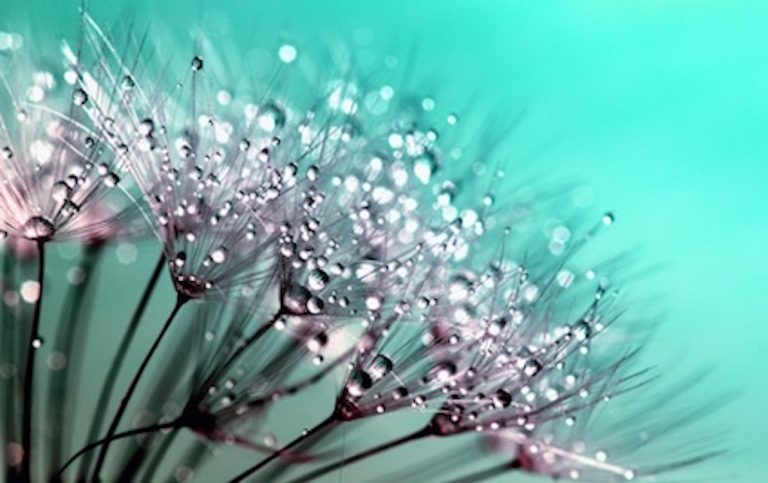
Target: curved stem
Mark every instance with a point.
(180, 301)
(63, 383)
(29, 372)
(117, 363)
(114, 437)
(421, 433)
(306, 435)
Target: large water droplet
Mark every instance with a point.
(317, 280)
(219, 255)
(38, 228)
(60, 191)
(359, 383)
(380, 367)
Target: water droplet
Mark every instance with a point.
(60, 191)
(111, 180)
(180, 260)
(380, 367)
(582, 331)
(272, 117)
(38, 228)
(79, 97)
(359, 383)
(146, 127)
(444, 371)
(315, 305)
(316, 343)
(219, 255)
(608, 218)
(531, 367)
(317, 280)
(127, 83)
(37, 343)
(287, 53)
(197, 63)
(7, 153)
(502, 399)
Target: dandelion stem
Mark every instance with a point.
(421, 433)
(117, 363)
(180, 301)
(132, 432)
(305, 436)
(63, 384)
(29, 371)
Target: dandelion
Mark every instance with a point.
(319, 234)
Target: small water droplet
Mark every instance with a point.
(197, 63)
(146, 127)
(531, 367)
(79, 97)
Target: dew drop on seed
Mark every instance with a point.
(219, 255)
(146, 127)
(317, 280)
(111, 180)
(609, 218)
(197, 63)
(502, 399)
(60, 191)
(287, 53)
(38, 228)
(37, 343)
(531, 367)
(180, 260)
(380, 367)
(79, 97)
(359, 383)
(6, 153)
(272, 117)
(444, 371)
(582, 331)
(317, 342)
(127, 83)
(314, 305)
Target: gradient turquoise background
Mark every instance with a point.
(661, 106)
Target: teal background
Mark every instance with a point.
(660, 106)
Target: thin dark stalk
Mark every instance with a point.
(408, 438)
(117, 363)
(9, 347)
(62, 388)
(132, 432)
(180, 301)
(306, 435)
(29, 372)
